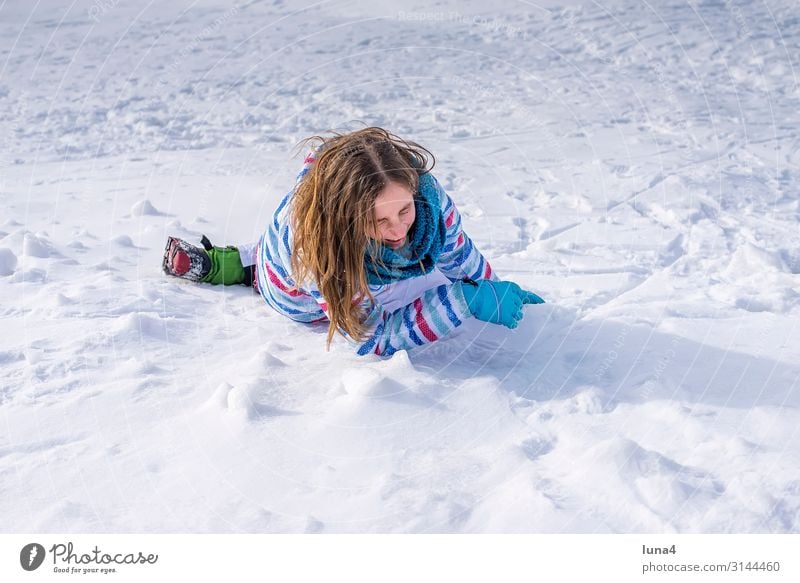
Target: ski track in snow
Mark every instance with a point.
(634, 163)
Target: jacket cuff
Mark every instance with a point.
(459, 300)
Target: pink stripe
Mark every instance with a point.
(273, 277)
(449, 221)
(422, 324)
(460, 240)
(487, 273)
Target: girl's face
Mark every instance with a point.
(394, 214)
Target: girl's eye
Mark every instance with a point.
(404, 211)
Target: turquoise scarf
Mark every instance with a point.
(425, 241)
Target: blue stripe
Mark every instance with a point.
(276, 267)
(479, 273)
(268, 291)
(280, 208)
(465, 256)
(286, 242)
(456, 226)
(466, 249)
(462, 257)
(443, 297)
(269, 297)
(410, 326)
(447, 205)
(369, 345)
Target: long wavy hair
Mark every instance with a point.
(332, 216)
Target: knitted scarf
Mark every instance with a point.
(425, 241)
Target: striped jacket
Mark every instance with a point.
(406, 314)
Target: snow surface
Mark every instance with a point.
(635, 163)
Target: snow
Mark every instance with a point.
(636, 164)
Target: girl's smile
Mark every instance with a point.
(395, 244)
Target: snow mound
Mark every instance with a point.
(241, 399)
(36, 246)
(124, 241)
(142, 326)
(144, 208)
(368, 383)
(8, 262)
(749, 259)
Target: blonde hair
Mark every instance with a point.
(332, 214)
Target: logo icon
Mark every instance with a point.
(31, 556)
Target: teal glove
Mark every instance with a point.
(497, 302)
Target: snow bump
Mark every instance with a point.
(8, 262)
(144, 208)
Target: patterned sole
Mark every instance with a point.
(184, 260)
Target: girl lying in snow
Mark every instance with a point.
(369, 242)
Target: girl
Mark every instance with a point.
(369, 242)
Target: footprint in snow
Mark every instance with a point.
(536, 446)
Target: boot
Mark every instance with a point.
(214, 265)
(184, 260)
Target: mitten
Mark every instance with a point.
(497, 302)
